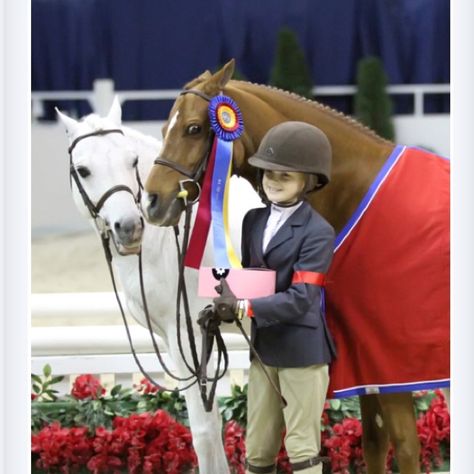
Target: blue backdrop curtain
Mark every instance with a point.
(161, 44)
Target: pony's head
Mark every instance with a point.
(187, 143)
(103, 167)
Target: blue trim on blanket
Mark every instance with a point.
(369, 195)
(374, 389)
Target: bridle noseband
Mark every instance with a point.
(94, 209)
(194, 176)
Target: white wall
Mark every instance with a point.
(52, 209)
(430, 131)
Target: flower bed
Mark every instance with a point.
(143, 430)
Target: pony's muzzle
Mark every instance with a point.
(128, 231)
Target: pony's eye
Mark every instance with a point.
(135, 162)
(193, 129)
(83, 171)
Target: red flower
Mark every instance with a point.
(87, 386)
(66, 449)
(145, 387)
(234, 446)
(433, 431)
(344, 446)
(283, 462)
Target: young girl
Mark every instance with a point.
(289, 331)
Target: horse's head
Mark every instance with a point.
(187, 142)
(103, 167)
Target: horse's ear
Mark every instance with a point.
(220, 79)
(203, 77)
(115, 112)
(70, 124)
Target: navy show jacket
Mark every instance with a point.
(288, 328)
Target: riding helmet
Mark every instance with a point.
(295, 146)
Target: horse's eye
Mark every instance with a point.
(193, 129)
(135, 162)
(83, 171)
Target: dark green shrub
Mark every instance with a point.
(290, 70)
(373, 106)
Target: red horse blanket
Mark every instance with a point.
(387, 291)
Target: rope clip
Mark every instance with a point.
(183, 192)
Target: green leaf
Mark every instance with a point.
(57, 379)
(116, 390)
(47, 370)
(126, 393)
(37, 379)
(36, 389)
(51, 394)
(335, 404)
(228, 414)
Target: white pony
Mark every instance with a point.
(103, 162)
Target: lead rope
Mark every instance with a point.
(259, 360)
(182, 292)
(145, 303)
(108, 256)
(104, 233)
(208, 332)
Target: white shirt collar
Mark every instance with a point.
(285, 210)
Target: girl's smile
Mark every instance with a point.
(283, 187)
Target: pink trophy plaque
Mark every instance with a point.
(244, 282)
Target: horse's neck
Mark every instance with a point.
(358, 153)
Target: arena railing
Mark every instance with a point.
(79, 333)
(103, 92)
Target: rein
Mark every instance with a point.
(198, 373)
(209, 332)
(206, 323)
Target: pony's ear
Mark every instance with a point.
(70, 124)
(219, 80)
(115, 112)
(203, 77)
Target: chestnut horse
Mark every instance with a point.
(359, 155)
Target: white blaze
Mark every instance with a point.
(173, 121)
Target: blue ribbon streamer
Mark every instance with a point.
(221, 167)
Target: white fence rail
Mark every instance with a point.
(104, 350)
(103, 92)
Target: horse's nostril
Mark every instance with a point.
(117, 226)
(153, 200)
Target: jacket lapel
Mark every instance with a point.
(286, 231)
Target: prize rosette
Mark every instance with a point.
(226, 118)
(227, 124)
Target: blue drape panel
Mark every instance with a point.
(156, 44)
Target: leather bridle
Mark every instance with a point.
(94, 209)
(193, 176)
(198, 373)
